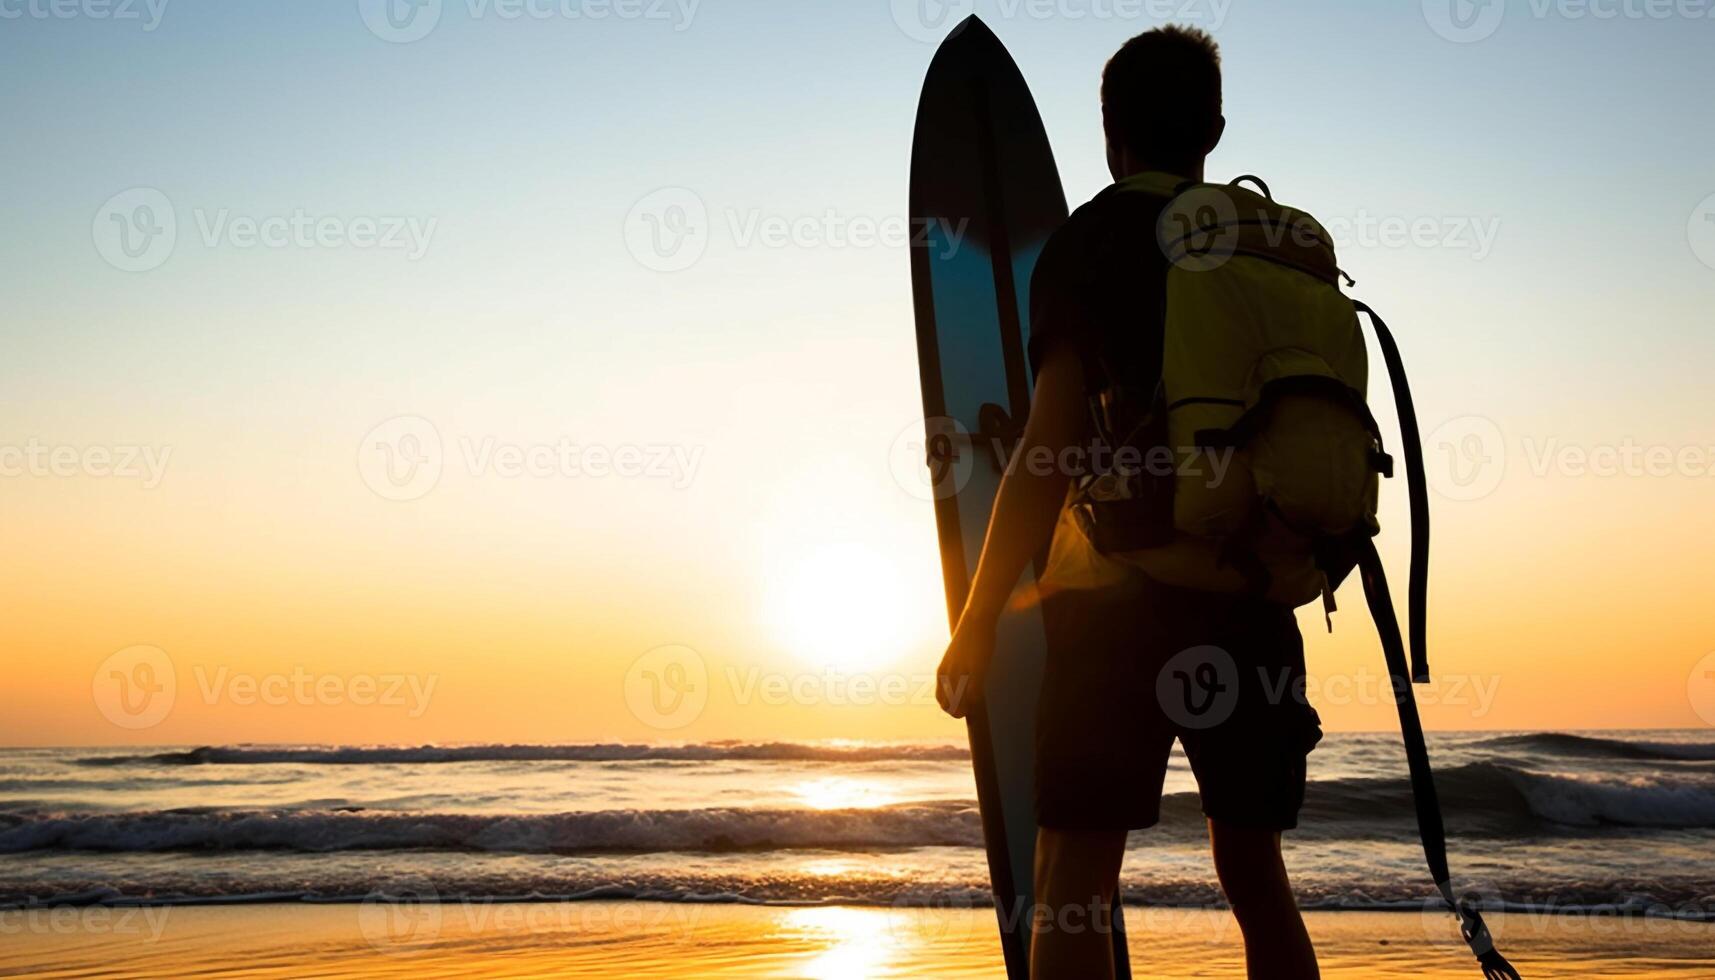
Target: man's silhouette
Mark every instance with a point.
(1107, 721)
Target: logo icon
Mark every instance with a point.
(918, 918)
(1464, 21)
(932, 459)
(1700, 231)
(1198, 687)
(667, 687)
(400, 21)
(400, 917)
(136, 687)
(1700, 688)
(668, 230)
(929, 21)
(1465, 457)
(401, 458)
(1199, 229)
(135, 231)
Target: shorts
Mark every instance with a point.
(1133, 667)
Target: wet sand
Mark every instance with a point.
(642, 940)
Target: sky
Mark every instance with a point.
(618, 285)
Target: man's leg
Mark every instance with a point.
(1102, 749)
(1077, 872)
(1248, 862)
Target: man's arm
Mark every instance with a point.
(1025, 510)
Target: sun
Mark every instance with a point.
(845, 606)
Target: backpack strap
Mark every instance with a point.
(1411, 447)
(1423, 796)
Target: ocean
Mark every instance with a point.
(1595, 821)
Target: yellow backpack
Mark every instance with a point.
(1253, 464)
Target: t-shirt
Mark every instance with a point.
(1100, 284)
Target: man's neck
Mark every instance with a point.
(1127, 163)
(1188, 171)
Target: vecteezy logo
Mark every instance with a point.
(1700, 687)
(401, 916)
(1466, 457)
(400, 21)
(135, 687)
(929, 916)
(1464, 21)
(1199, 229)
(932, 459)
(1198, 687)
(668, 230)
(401, 458)
(1700, 231)
(135, 231)
(930, 20)
(667, 687)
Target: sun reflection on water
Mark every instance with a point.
(829, 867)
(842, 793)
(859, 944)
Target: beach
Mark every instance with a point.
(828, 861)
(643, 940)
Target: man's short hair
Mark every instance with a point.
(1162, 91)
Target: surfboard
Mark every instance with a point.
(985, 195)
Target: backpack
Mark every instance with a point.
(1252, 464)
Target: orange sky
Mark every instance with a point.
(488, 610)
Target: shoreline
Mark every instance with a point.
(1430, 905)
(646, 941)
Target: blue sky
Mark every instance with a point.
(529, 138)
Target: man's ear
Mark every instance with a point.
(1111, 145)
(1215, 133)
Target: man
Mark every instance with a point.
(1104, 735)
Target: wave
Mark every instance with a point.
(1481, 799)
(433, 894)
(1594, 746)
(257, 755)
(1492, 799)
(323, 831)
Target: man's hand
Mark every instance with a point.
(959, 681)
